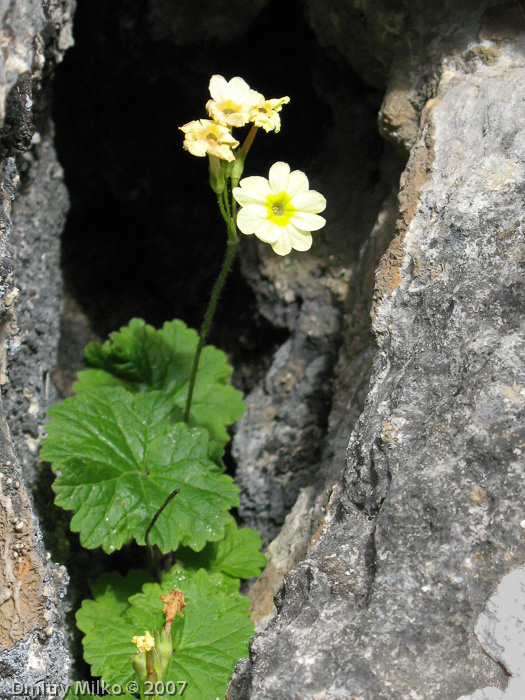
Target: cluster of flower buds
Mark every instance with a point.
(153, 657)
(233, 104)
(154, 653)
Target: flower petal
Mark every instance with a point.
(218, 86)
(310, 201)
(238, 90)
(307, 222)
(297, 182)
(300, 240)
(279, 173)
(223, 152)
(190, 126)
(268, 122)
(196, 148)
(268, 232)
(236, 119)
(228, 138)
(278, 102)
(283, 245)
(251, 218)
(253, 189)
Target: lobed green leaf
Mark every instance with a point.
(140, 358)
(237, 554)
(118, 456)
(111, 593)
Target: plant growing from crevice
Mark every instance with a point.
(137, 451)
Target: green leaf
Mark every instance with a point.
(237, 554)
(118, 457)
(208, 641)
(140, 358)
(111, 593)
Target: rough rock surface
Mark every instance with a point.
(350, 384)
(38, 219)
(279, 444)
(32, 211)
(20, 22)
(501, 633)
(426, 520)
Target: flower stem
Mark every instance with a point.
(248, 142)
(210, 311)
(223, 210)
(226, 201)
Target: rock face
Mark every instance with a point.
(279, 444)
(500, 632)
(32, 211)
(425, 521)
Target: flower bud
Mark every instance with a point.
(217, 180)
(236, 168)
(153, 667)
(139, 666)
(164, 649)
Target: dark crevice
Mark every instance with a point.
(370, 559)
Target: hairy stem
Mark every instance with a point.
(223, 210)
(227, 201)
(210, 311)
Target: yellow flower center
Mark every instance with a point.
(211, 137)
(280, 211)
(229, 107)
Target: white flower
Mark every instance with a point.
(280, 211)
(233, 103)
(267, 115)
(204, 136)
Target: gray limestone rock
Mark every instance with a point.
(38, 219)
(33, 206)
(485, 694)
(352, 374)
(280, 443)
(282, 427)
(426, 520)
(501, 632)
(395, 558)
(20, 22)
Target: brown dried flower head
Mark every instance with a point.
(173, 603)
